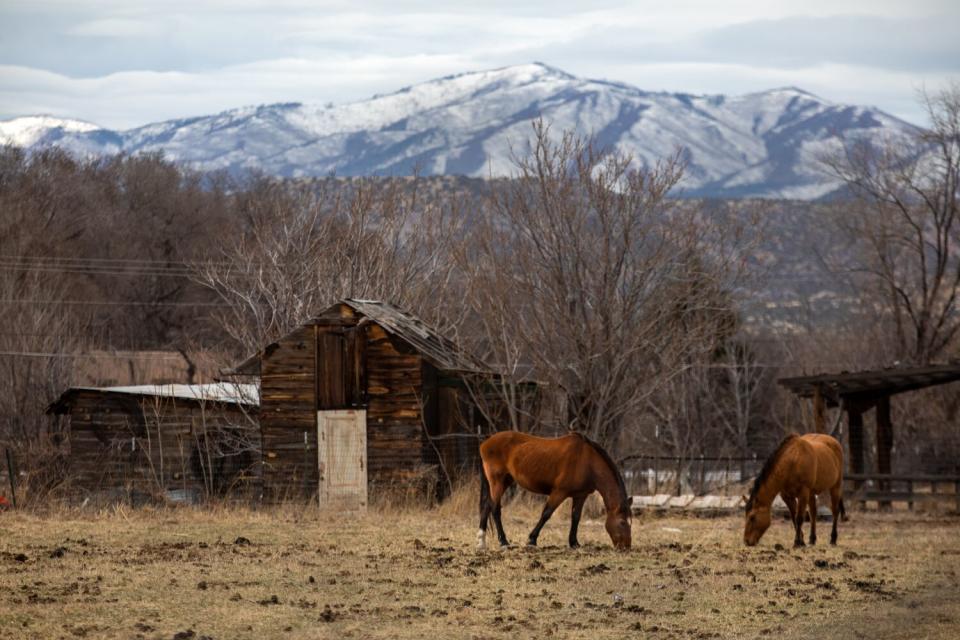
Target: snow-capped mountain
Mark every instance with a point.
(40, 130)
(760, 144)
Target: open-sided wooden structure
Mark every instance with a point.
(363, 393)
(180, 441)
(856, 393)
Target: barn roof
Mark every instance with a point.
(875, 381)
(439, 350)
(222, 392)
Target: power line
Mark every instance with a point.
(143, 261)
(113, 303)
(39, 354)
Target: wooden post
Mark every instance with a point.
(884, 444)
(819, 411)
(656, 475)
(726, 476)
(10, 477)
(703, 475)
(855, 442)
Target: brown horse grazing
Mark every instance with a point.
(800, 468)
(572, 466)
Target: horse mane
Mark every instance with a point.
(768, 468)
(613, 468)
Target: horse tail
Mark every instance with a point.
(484, 494)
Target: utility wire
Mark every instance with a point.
(114, 303)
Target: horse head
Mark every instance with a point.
(618, 524)
(757, 522)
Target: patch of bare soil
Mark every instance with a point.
(194, 575)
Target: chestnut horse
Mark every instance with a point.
(800, 468)
(572, 466)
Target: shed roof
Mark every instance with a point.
(222, 392)
(886, 381)
(439, 350)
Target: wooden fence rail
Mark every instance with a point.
(886, 488)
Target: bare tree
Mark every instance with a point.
(39, 334)
(304, 247)
(587, 275)
(904, 228)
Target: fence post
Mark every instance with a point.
(703, 475)
(10, 477)
(656, 475)
(910, 491)
(679, 475)
(726, 476)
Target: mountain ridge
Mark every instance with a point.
(761, 144)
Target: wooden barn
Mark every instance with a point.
(383, 394)
(182, 442)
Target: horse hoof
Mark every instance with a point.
(799, 543)
(531, 543)
(574, 545)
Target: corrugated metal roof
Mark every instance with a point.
(439, 350)
(225, 392)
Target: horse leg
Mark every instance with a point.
(496, 494)
(802, 501)
(791, 503)
(486, 506)
(553, 501)
(835, 510)
(812, 505)
(575, 519)
(792, 507)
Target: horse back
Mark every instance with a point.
(537, 464)
(826, 459)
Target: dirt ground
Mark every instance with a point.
(286, 573)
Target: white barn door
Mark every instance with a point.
(342, 456)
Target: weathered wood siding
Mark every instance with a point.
(395, 443)
(288, 418)
(123, 444)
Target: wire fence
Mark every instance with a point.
(700, 475)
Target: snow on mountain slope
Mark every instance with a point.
(30, 130)
(761, 144)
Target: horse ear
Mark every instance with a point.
(630, 501)
(745, 499)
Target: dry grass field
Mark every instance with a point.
(288, 573)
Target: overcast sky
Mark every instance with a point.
(123, 63)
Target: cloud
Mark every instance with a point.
(905, 44)
(113, 28)
(124, 64)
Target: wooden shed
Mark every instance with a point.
(364, 395)
(856, 393)
(182, 442)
